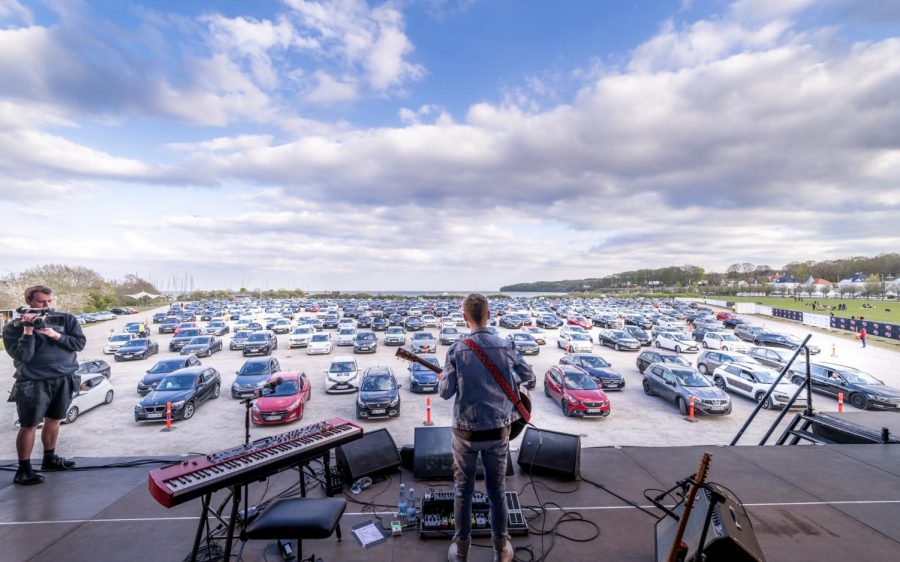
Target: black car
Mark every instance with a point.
(380, 324)
(861, 389)
(648, 357)
(748, 332)
(163, 368)
(414, 323)
(138, 348)
(168, 325)
(639, 321)
(786, 341)
(184, 336)
(159, 317)
(379, 394)
(620, 340)
(94, 366)
(185, 388)
(364, 321)
(775, 358)
(365, 342)
(511, 321)
(549, 321)
(598, 368)
(732, 322)
(639, 334)
(253, 373)
(260, 343)
(605, 321)
(700, 331)
(330, 322)
(202, 346)
(524, 343)
(238, 339)
(216, 328)
(395, 319)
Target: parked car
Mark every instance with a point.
(262, 342)
(138, 348)
(423, 342)
(342, 375)
(366, 342)
(549, 321)
(679, 342)
(216, 328)
(185, 325)
(238, 339)
(861, 389)
(380, 324)
(753, 381)
(639, 334)
(182, 338)
(747, 332)
(285, 402)
(92, 367)
(330, 322)
(722, 315)
(579, 320)
(364, 321)
(300, 336)
(724, 341)
(95, 390)
(252, 374)
(524, 343)
(379, 394)
(422, 379)
(281, 326)
(575, 391)
(650, 356)
(449, 335)
(319, 343)
(677, 384)
(414, 323)
(775, 358)
(709, 360)
(395, 335)
(597, 367)
(620, 340)
(115, 341)
(606, 320)
(786, 341)
(538, 334)
(185, 389)
(732, 322)
(162, 368)
(574, 342)
(345, 336)
(158, 317)
(510, 321)
(202, 346)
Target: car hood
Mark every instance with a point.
(377, 396)
(424, 376)
(274, 403)
(194, 347)
(598, 372)
(123, 350)
(250, 379)
(153, 378)
(159, 398)
(590, 395)
(710, 393)
(881, 389)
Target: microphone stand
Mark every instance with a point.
(236, 490)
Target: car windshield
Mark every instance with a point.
(167, 366)
(286, 388)
(579, 381)
(347, 331)
(423, 336)
(257, 337)
(635, 331)
(120, 337)
(450, 331)
(765, 376)
(377, 383)
(675, 360)
(343, 367)
(858, 377)
(254, 368)
(395, 330)
(682, 337)
(320, 338)
(580, 337)
(136, 343)
(619, 334)
(367, 336)
(298, 331)
(729, 337)
(523, 337)
(594, 361)
(690, 378)
(242, 335)
(177, 382)
(188, 333)
(432, 360)
(202, 340)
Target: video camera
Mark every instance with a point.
(48, 317)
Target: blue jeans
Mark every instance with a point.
(493, 456)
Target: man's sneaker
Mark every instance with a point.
(56, 462)
(27, 478)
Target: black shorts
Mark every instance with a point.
(47, 398)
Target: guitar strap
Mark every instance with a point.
(498, 376)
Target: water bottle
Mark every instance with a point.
(401, 503)
(411, 506)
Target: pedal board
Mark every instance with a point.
(437, 515)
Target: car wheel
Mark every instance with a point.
(109, 397)
(756, 342)
(188, 411)
(767, 405)
(217, 391)
(565, 408)
(799, 381)
(705, 345)
(682, 406)
(546, 390)
(724, 348)
(647, 390)
(858, 401)
(704, 370)
(719, 382)
(618, 348)
(72, 415)
(677, 349)
(658, 345)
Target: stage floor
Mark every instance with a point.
(815, 503)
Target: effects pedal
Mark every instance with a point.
(437, 515)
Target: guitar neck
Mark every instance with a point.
(679, 550)
(404, 354)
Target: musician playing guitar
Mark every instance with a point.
(482, 413)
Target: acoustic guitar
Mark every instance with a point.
(515, 428)
(679, 548)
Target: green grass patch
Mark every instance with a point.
(881, 311)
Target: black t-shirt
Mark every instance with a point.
(39, 357)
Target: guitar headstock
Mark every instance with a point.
(405, 354)
(703, 471)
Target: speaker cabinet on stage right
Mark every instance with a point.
(550, 452)
(374, 453)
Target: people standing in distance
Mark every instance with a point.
(862, 336)
(43, 348)
(482, 414)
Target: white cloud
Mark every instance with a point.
(13, 10)
(769, 9)
(329, 90)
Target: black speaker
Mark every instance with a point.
(376, 452)
(730, 537)
(550, 452)
(433, 455)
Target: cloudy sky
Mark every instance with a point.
(444, 144)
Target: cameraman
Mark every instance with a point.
(43, 349)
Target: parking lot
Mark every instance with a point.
(636, 419)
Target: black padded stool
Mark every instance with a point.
(299, 518)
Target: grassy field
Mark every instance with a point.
(881, 311)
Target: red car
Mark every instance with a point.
(576, 391)
(723, 315)
(284, 404)
(579, 320)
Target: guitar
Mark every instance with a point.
(679, 548)
(515, 428)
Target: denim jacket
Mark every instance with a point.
(480, 402)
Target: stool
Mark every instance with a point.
(299, 518)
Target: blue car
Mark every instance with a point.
(598, 368)
(422, 379)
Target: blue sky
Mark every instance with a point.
(445, 144)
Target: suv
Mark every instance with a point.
(253, 373)
(753, 381)
(724, 341)
(341, 375)
(379, 394)
(649, 357)
(678, 384)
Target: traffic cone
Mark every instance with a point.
(428, 411)
(691, 417)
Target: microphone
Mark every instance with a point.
(271, 385)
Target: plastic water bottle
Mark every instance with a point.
(411, 506)
(401, 503)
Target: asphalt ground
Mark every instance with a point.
(636, 419)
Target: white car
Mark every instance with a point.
(753, 381)
(670, 323)
(677, 341)
(342, 374)
(447, 321)
(115, 341)
(94, 390)
(538, 334)
(346, 323)
(395, 335)
(346, 336)
(725, 342)
(570, 328)
(430, 321)
(319, 344)
(574, 342)
(300, 336)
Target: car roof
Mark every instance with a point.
(194, 370)
(258, 360)
(343, 358)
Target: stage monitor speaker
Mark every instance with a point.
(375, 452)
(730, 537)
(433, 455)
(550, 452)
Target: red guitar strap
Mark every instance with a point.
(498, 376)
